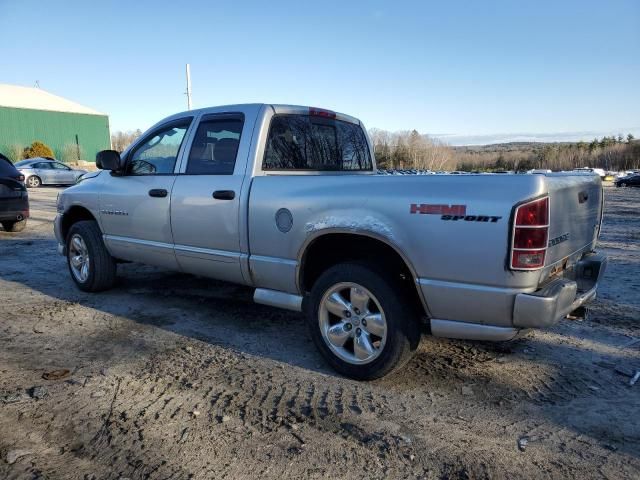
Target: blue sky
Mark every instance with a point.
(458, 67)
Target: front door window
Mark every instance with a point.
(157, 154)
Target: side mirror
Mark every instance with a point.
(109, 160)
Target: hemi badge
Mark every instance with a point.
(429, 209)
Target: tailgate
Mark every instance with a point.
(575, 205)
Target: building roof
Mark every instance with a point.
(15, 96)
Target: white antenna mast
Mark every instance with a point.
(188, 87)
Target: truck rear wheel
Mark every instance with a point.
(91, 266)
(361, 323)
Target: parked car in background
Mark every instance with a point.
(286, 199)
(627, 173)
(598, 171)
(14, 200)
(628, 181)
(47, 171)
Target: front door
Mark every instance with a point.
(135, 206)
(205, 201)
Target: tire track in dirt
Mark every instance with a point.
(272, 404)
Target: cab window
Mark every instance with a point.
(157, 154)
(215, 146)
(305, 142)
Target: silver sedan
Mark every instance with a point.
(45, 171)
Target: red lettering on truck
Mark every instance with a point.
(430, 209)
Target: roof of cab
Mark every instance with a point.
(245, 107)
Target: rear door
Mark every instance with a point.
(135, 206)
(205, 199)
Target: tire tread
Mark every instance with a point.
(401, 344)
(103, 267)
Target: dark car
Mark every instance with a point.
(628, 181)
(14, 200)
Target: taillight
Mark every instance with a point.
(530, 235)
(320, 112)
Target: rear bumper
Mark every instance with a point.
(560, 297)
(14, 209)
(476, 312)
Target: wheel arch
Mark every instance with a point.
(335, 245)
(75, 214)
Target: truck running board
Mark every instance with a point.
(471, 331)
(275, 298)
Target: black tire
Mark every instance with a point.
(403, 328)
(102, 266)
(14, 226)
(623, 185)
(33, 182)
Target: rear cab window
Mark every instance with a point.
(215, 145)
(306, 142)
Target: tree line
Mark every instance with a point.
(408, 149)
(121, 140)
(411, 150)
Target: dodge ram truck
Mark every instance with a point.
(286, 199)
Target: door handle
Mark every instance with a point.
(224, 194)
(157, 192)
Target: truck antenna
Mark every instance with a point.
(188, 92)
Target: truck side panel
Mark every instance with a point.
(454, 230)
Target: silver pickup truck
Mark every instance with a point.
(286, 199)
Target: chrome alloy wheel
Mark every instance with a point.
(352, 323)
(33, 182)
(79, 258)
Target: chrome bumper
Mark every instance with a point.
(560, 297)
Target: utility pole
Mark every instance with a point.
(188, 87)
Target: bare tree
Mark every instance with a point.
(410, 149)
(121, 140)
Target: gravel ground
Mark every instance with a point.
(174, 376)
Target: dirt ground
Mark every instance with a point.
(174, 376)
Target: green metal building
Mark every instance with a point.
(73, 131)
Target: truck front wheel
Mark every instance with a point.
(91, 266)
(362, 324)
